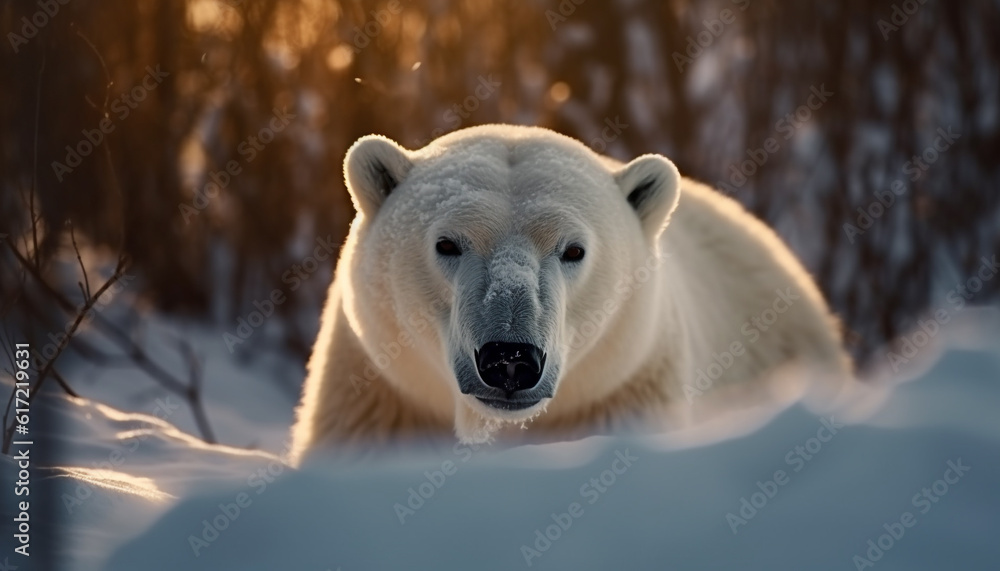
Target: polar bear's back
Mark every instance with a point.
(727, 268)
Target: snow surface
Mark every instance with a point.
(138, 509)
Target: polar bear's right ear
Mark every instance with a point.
(374, 167)
(651, 184)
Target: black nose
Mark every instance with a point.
(510, 366)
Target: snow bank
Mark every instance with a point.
(920, 485)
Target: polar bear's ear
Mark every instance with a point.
(651, 184)
(374, 167)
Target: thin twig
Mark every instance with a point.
(107, 148)
(34, 167)
(72, 235)
(194, 390)
(6, 413)
(107, 76)
(12, 356)
(62, 383)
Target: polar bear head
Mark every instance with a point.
(491, 271)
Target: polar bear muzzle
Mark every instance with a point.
(510, 366)
(515, 369)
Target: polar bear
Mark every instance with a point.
(509, 277)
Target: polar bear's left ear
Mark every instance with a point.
(651, 184)
(374, 167)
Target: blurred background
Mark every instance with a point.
(201, 141)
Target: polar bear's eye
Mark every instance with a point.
(573, 254)
(446, 247)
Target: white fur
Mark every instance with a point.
(665, 286)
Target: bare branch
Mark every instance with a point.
(104, 111)
(104, 66)
(34, 173)
(44, 373)
(140, 358)
(62, 383)
(72, 236)
(194, 389)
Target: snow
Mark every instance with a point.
(264, 390)
(134, 489)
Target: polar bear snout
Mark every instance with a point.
(510, 366)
